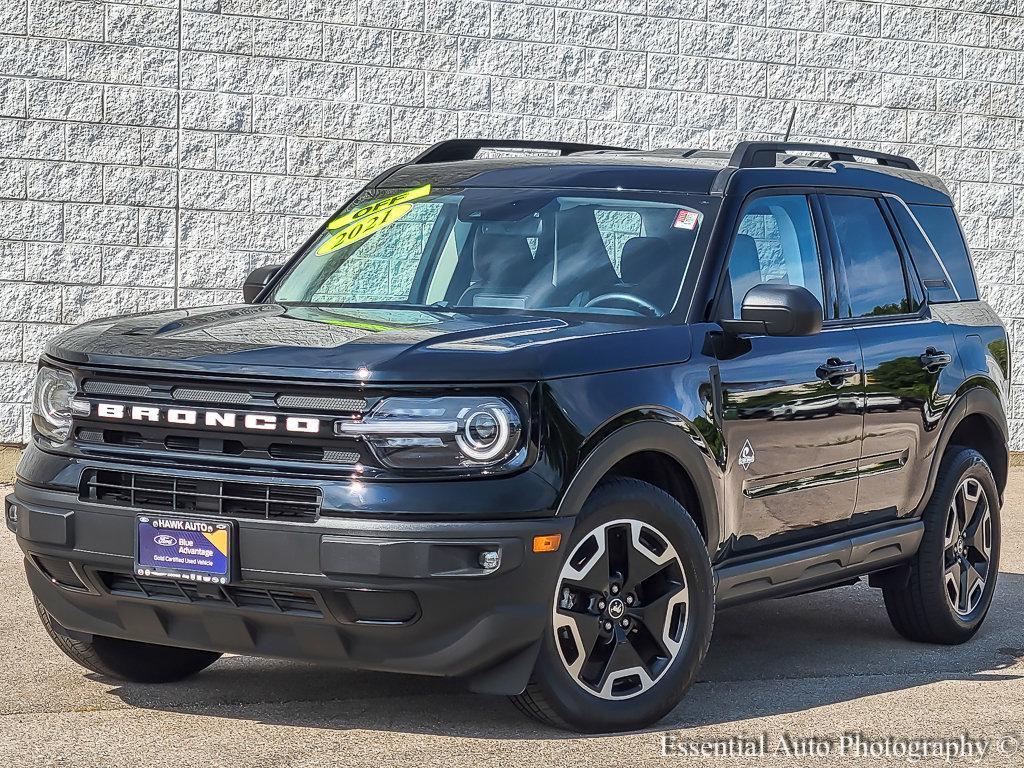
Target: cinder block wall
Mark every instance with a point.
(153, 152)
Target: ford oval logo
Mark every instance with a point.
(165, 541)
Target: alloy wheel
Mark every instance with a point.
(620, 609)
(968, 546)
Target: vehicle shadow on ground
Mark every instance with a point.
(776, 657)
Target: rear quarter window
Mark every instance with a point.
(943, 231)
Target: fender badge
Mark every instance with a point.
(746, 457)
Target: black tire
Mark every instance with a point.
(554, 696)
(128, 660)
(923, 609)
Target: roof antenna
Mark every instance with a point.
(792, 117)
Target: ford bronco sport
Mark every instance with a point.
(529, 420)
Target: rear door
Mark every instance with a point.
(909, 356)
(790, 405)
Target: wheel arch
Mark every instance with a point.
(979, 423)
(659, 453)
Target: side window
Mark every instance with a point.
(940, 224)
(774, 243)
(870, 258)
(937, 284)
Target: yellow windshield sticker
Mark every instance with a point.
(365, 227)
(368, 210)
(359, 326)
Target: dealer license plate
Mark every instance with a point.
(187, 548)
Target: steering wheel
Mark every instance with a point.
(628, 297)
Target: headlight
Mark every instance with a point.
(441, 432)
(55, 403)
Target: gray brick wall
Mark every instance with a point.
(152, 152)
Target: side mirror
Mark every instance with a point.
(257, 280)
(777, 309)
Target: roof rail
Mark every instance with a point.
(763, 154)
(687, 152)
(454, 150)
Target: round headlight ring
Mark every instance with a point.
(486, 418)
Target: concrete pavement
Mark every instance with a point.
(809, 667)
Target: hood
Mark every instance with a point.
(385, 345)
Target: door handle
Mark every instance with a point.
(934, 360)
(835, 371)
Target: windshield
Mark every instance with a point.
(501, 249)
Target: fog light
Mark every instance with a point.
(490, 559)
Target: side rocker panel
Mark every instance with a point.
(817, 565)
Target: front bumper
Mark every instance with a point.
(384, 595)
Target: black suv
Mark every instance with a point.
(529, 419)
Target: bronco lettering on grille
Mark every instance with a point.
(261, 422)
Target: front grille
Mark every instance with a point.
(223, 396)
(222, 446)
(110, 437)
(210, 396)
(116, 388)
(199, 445)
(167, 493)
(338, 404)
(282, 601)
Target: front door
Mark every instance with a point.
(791, 407)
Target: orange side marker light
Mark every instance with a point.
(549, 543)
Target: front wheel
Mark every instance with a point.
(953, 574)
(631, 614)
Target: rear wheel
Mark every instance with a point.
(126, 659)
(631, 615)
(953, 575)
